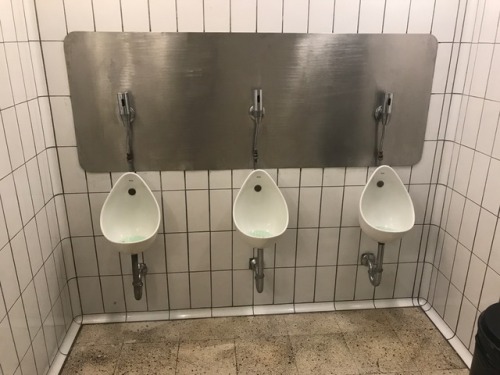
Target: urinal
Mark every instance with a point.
(385, 209)
(385, 214)
(260, 212)
(130, 217)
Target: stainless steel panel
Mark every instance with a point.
(191, 93)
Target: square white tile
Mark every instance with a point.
(55, 65)
(371, 16)
(221, 250)
(396, 16)
(321, 16)
(295, 16)
(176, 252)
(79, 15)
(190, 16)
(346, 17)
(244, 16)
(107, 15)
(200, 285)
(216, 15)
(222, 293)
(135, 15)
(163, 15)
(51, 19)
(269, 16)
(420, 20)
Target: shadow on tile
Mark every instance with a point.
(206, 357)
(311, 324)
(323, 354)
(429, 350)
(267, 355)
(379, 352)
(362, 320)
(148, 358)
(96, 359)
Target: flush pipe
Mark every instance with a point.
(382, 116)
(139, 271)
(256, 112)
(257, 265)
(127, 115)
(374, 264)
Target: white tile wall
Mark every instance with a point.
(461, 291)
(199, 261)
(199, 235)
(33, 276)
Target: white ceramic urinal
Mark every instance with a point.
(260, 212)
(385, 209)
(130, 217)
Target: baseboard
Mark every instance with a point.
(448, 334)
(216, 312)
(65, 348)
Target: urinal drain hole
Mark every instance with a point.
(257, 188)
(131, 191)
(380, 183)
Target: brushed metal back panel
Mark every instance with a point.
(192, 91)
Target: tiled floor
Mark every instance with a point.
(400, 341)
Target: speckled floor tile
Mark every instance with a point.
(323, 354)
(362, 320)
(92, 360)
(149, 332)
(99, 334)
(128, 333)
(464, 371)
(148, 358)
(378, 351)
(408, 318)
(396, 341)
(203, 329)
(271, 355)
(311, 324)
(429, 350)
(260, 326)
(207, 357)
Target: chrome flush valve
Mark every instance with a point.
(383, 112)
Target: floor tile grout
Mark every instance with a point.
(273, 340)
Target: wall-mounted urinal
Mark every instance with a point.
(386, 213)
(130, 218)
(260, 214)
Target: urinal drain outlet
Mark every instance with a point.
(380, 183)
(257, 188)
(131, 191)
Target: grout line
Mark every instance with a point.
(340, 233)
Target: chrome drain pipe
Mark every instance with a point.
(257, 265)
(374, 264)
(139, 271)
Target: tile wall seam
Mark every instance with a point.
(318, 229)
(340, 233)
(487, 266)
(59, 170)
(483, 192)
(297, 235)
(358, 25)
